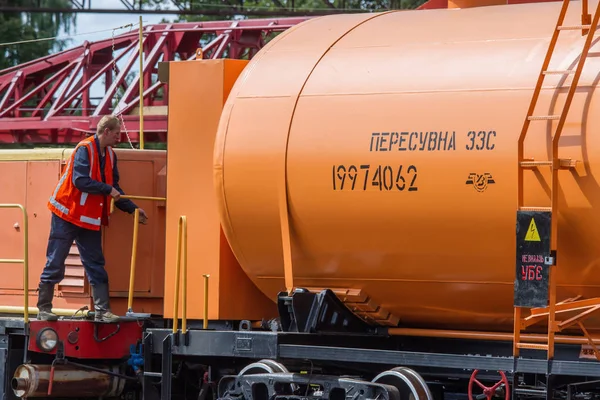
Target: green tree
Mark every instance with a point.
(18, 26)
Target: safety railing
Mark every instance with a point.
(26, 310)
(136, 222)
(182, 245)
(205, 319)
(181, 242)
(131, 197)
(24, 260)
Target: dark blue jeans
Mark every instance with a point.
(89, 243)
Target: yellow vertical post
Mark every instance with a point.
(184, 273)
(205, 319)
(25, 264)
(136, 221)
(176, 291)
(141, 85)
(181, 242)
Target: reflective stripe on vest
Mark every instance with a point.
(84, 195)
(89, 220)
(53, 201)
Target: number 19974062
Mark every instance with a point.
(366, 176)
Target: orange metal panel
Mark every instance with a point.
(118, 237)
(74, 283)
(30, 182)
(13, 184)
(38, 179)
(41, 181)
(139, 174)
(195, 110)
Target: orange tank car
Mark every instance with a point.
(376, 155)
(384, 160)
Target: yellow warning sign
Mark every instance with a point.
(532, 233)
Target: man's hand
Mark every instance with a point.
(143, 216)
(115, 194)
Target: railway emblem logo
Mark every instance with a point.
(480, 181)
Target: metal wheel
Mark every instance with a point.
(260, 367)
(410, 384)
(263, 367)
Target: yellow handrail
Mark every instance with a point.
(25, 259)
(64, 312)
(205, 320)
(181, 237)
(141, 49)
(126, 196)
(182, 243)
(136, 221)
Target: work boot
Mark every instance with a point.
(44, 304)
(102, 304)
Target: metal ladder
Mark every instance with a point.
(532, 217)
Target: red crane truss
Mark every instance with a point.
(50, 100)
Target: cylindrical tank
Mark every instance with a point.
(37, 380)
(386, 145)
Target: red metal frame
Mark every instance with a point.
(48, 100)
(89, 340)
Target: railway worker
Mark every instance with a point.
(80, 205)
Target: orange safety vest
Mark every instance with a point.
(87, 210)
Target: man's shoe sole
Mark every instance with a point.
(106, 319)
(44, 316)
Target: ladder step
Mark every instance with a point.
(532, 346)
(543, 117)
(567, 163)
(542, 209)
(563, 163)
(573, 27)
(559, 72)
(535, 163)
